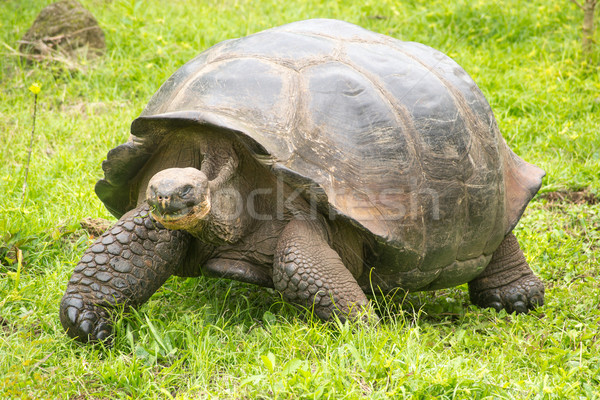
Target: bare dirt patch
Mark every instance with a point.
(95, 226)
(583, 196)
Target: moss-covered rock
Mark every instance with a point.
(63, 31)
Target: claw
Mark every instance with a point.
(496, 305)
(520, 307)
(537, 301)
(72, 314)
(86, 327)
(103, 331)
(82, 321)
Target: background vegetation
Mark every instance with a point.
(204, 338)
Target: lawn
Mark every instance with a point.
(210, 338)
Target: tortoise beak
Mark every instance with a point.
(164, 203)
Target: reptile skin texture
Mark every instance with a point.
(507, 282)
(310, 274)
(123, 268)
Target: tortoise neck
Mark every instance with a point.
(218, 231)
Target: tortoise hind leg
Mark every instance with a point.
(123, 267)
(507, 282)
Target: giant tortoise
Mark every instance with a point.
(318, 158)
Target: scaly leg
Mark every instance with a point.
(123, 267)
(308, 272)
(507, 282)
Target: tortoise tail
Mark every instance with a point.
(522, 180)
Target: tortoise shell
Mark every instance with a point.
(392, 136)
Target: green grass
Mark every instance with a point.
(203, 338)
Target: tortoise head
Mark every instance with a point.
(179, 197)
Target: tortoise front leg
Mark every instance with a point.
(123, 267)
(309, 273)
(507, 282)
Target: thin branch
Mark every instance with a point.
(56, 38)
(49, 55)
(593, 3)
(577, 4)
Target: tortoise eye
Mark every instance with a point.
(186, 190)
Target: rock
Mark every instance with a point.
(65, 32)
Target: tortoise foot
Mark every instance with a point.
(519, 296)
(507, 282)
(84, 322)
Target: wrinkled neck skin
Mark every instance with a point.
(224, 223)
(210, 228)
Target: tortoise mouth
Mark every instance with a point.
(186, 218)
(171, 216)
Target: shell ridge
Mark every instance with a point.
(281, 62)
